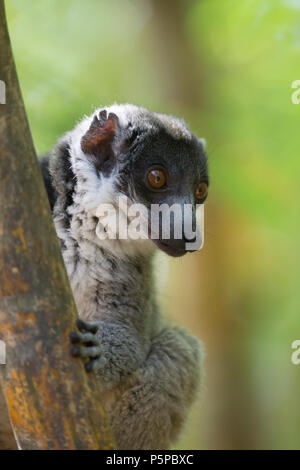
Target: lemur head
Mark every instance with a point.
(150, 158)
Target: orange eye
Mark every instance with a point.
(201, 191)
(157, 178)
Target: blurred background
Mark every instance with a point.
(227, 69)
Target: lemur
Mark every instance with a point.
(148, 371)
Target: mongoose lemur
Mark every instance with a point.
(148, 371)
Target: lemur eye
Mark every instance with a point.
(201, 191)
(157, 178)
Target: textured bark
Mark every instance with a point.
(52, 402)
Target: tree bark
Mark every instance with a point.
(52, 402)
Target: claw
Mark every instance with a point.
(94, 351)
(74, 337)
(85, 344)
(75, 351)
(88, 339)
(84, 326)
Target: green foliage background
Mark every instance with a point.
(244, 288)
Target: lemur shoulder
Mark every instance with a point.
(148, 371)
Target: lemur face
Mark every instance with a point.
(152, 159)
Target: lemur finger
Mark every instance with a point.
(81, 351)
(88, 339)
(84, 326)
(95, 364)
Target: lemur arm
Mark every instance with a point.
(148, 373)
(155, 404)
(156, 391)
(113, 349)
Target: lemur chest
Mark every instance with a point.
(104, 287)
(91, 279)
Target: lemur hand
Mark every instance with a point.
(86, 344)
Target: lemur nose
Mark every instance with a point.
(175, 247)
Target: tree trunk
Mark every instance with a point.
(52, 402)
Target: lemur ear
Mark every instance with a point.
(98, 141)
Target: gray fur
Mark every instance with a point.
(152, 370)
